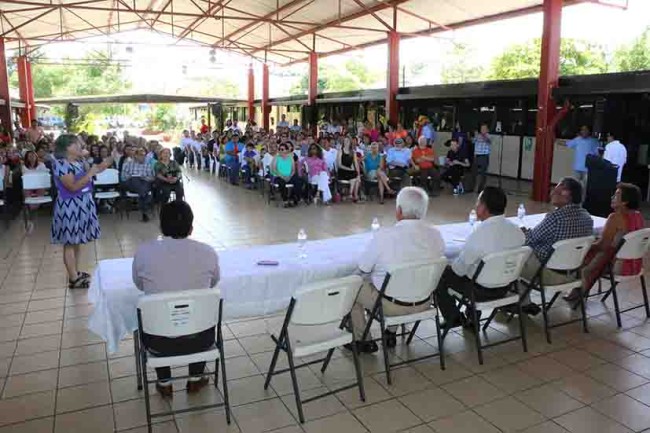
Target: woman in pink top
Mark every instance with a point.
(317, 171)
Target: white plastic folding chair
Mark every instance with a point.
(314, 323)
(41, 180)
(566, 258)
(495, 271)
(633, 246)
(177, 314)
(407, 284)
(106, 185)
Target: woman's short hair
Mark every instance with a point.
(62, 143)
(630, 195)
(176, 219)
(413, 202)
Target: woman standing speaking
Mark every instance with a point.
(75, 215)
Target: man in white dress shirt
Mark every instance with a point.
(494, 234)
(411, 239)
(616, 153)
(329, 153)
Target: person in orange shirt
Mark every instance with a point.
(423, 165)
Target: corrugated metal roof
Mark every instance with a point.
(280, 31)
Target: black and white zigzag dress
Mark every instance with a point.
(75, 219)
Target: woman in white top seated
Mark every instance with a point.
(31, 164)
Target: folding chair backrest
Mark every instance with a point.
(325, 301)
(175, 314)
(110, 176)
(569, 254)
(635, 245)
(37, 180)
(502, 268)
(414, 281)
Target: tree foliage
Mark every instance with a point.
(577, 57)
(354, 75)
(635, 56)
(460, 66)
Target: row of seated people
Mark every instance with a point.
(411, 239)
(350, 166)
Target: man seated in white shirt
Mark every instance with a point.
(171, 264)
(411, 239)
(494, 234)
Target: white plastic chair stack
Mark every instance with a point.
(314, 324)
(41, 180)
(107, 178)
(177, 314)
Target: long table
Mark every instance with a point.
(246, 288)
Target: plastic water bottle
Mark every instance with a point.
(472, 219)
(521, 214)
(375, 225)
(302, 243)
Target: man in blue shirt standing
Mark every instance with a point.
(482, 149)
(584, 144)
(428, 132)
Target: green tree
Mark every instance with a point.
(353, 76)
(577, 57)
(162, 118)
(635, 56)
(460, 66)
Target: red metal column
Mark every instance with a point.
(392, 81)
(265, 97)
(30, 91)
(5, 99)
(23, 88)
(251, 93)
(313, 78)
(548, 80)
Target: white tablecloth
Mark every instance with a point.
(249, 289)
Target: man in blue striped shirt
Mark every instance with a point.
(482, 149)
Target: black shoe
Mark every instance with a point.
(391, 338)
(363, 346)
(446, 326)
(531, 309)
(145, 218)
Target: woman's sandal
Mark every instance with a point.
(79, 283)
(84, 275)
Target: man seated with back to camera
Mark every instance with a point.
(175, 263)
(411, 239)
(568, 220)
(494, 234)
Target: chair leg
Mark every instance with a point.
(477, 333)
(547, 331)
(357, 368)
(583, 311)
(617, 309)
(329, 357)
(138, 365)
(226, 400)
(645, 296)
(493, 314)
(274, 360)
(294, 381)
(600, 286)
(216, 373)
(412, 333)
(384, 347)
(522, 328)
(147, 403)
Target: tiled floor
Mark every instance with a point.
(55, 376)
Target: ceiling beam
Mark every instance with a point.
(276, 12)
(212, 10)
(374, 14)
(29, 21)
(350, 17)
